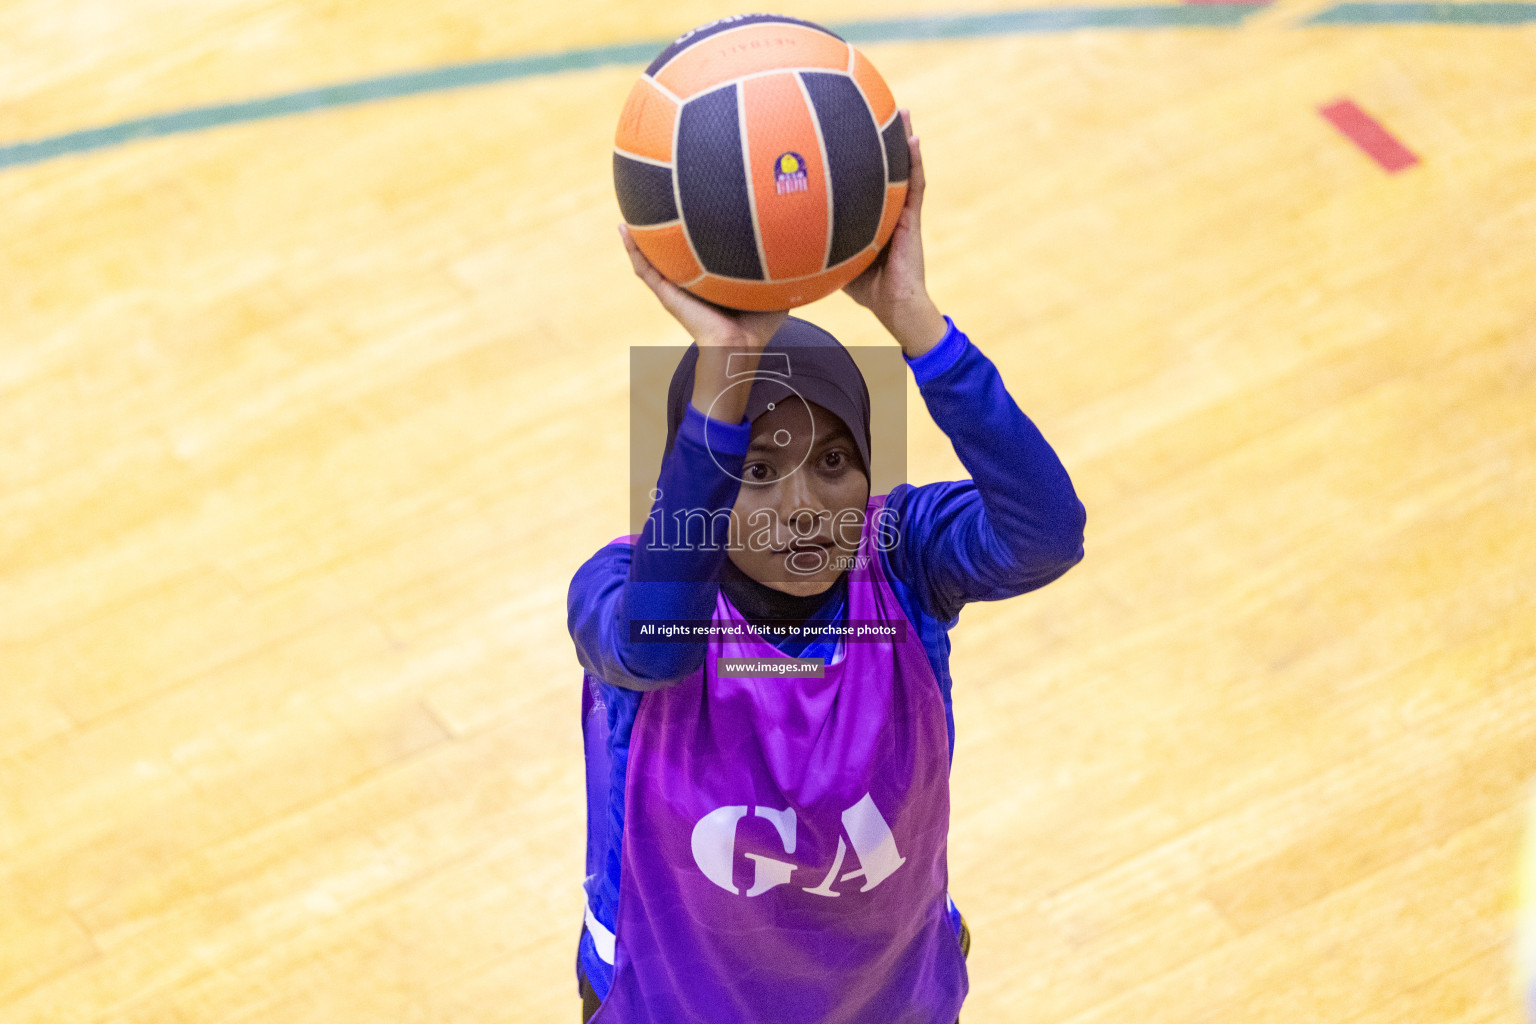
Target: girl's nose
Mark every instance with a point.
(800, 509)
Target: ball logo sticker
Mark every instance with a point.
(789, 172)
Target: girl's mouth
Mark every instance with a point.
(802, 546)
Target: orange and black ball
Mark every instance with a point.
(760, 162)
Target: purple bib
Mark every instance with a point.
(784, 856)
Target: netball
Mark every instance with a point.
(760, 162)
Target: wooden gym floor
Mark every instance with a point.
(309, 418)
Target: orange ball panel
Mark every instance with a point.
(667, 249)
(875, 90)
(792, 217)
(751, 48)
(767, 295)
(645, 126)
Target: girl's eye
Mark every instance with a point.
(758, 472)
(834, 459)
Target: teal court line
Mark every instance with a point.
(1426, 14)
(963, 26)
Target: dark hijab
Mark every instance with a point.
(801, 359)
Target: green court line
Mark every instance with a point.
(1047, 19)
(484, 72)
(1426, 14)
(962, 26)
(410, 83)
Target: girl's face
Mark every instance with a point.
(800, 510)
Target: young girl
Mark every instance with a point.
(767, 843)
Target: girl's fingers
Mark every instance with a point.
(917, 179)
(629, 244)
(668, 293)
(697, 318)
(705, 323)
(646, 271)
(637, 259)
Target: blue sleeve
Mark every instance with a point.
(651, 579)
(1016, 525)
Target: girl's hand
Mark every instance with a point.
(709, 325)
(894, 288)
(718, 332)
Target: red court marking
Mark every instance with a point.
(1367, 133)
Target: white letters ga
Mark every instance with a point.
(714, 848)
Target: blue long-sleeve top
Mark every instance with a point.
(1016, 525)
